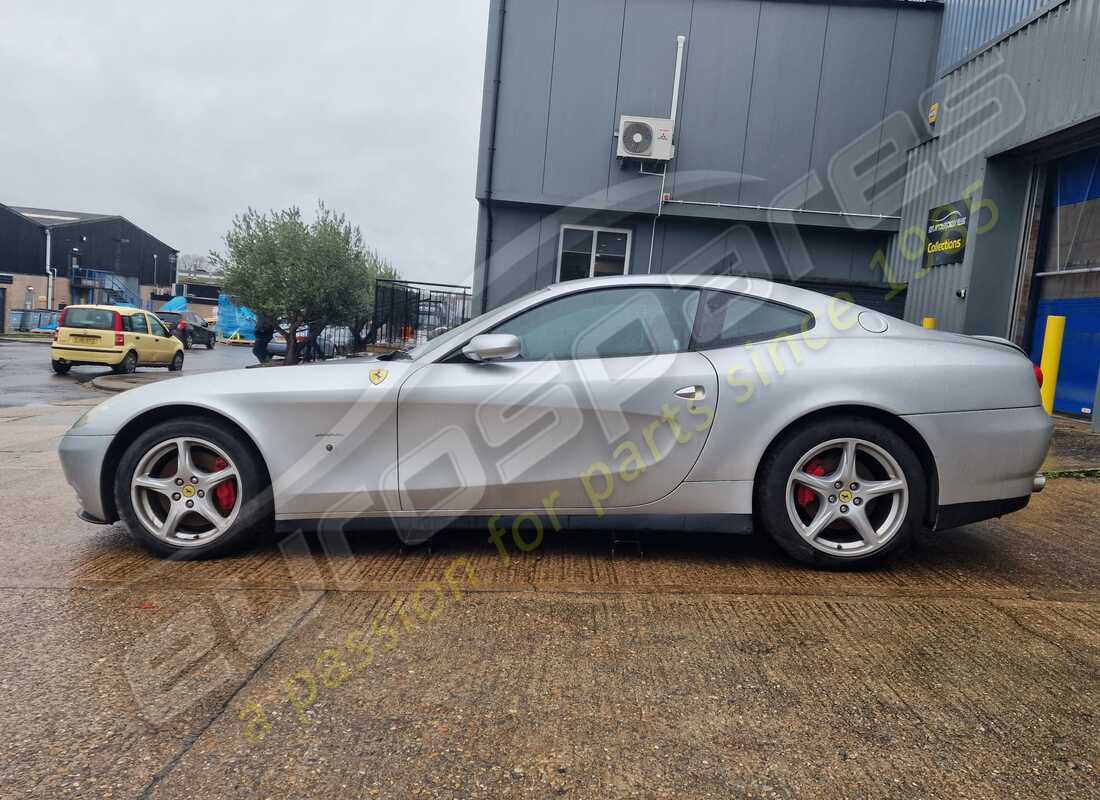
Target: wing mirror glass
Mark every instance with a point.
(492, 347)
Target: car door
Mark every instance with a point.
(165, 347)
(138, 338)
(605, 407)
(198, 328)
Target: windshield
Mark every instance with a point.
(455, 335)
(97, 318)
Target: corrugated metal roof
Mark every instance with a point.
(48, 217)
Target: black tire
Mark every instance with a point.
(61, 368)
(256, 512)
(177, 362)
(187, 341)
(770, 493)
(211, 340)
(127, 365)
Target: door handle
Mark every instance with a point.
(691, 392)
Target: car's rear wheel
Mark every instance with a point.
(211, 341)
(186, 341)
(127, 365)
(177, 362)
(190, 488)
(841, 491)
(60, 367)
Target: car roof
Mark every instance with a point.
(127, 310)
(762, 288)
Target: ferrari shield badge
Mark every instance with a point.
(378, 375)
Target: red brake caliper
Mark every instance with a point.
(225, 493)
(804, 495)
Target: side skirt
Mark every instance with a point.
(420, 529)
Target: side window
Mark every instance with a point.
(730, 319)
(137, 323)
(158, 328)
(606, 323)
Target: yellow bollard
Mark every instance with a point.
(928, 322)
(1052, 357)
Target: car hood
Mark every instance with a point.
(222, 392)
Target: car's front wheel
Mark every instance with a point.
(190, 488)
(841, 491)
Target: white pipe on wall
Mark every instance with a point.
(680, 39)
(50, 272)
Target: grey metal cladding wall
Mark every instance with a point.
(717, 84)
(969, 24)
(1039, 79)
(770, 89)
(526, 66)
(582, 98)
(931, 292)
(1051, 64)
(783, 100)
(645, 81)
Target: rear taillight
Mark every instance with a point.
(181, 325)
(1039, 376)
(119, 338)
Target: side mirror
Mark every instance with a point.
(492, 347)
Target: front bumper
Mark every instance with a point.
(82, 460)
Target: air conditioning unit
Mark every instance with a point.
(645, 137)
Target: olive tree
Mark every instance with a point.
(296, 273)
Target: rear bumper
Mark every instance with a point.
(986, 456)
(965, 513)
(82, 462)
(87, 355)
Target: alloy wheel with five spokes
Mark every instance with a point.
(186, 491)
(847, 497)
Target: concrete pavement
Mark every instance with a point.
(711, 667)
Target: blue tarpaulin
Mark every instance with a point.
(175, 304)
(235, 322)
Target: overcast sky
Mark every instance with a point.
(179, 115)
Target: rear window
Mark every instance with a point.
(169, 318)
(731, 319)
(96, 318)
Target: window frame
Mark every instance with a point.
(145, 320)
(743, 340)
(157, 327)
(596, 230)
(455, 355)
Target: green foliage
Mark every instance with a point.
(293, 272)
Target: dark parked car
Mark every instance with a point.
(189, 327)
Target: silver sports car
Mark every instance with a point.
(684, 402)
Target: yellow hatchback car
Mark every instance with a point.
(120, 337)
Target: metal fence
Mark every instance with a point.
(408, 313)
